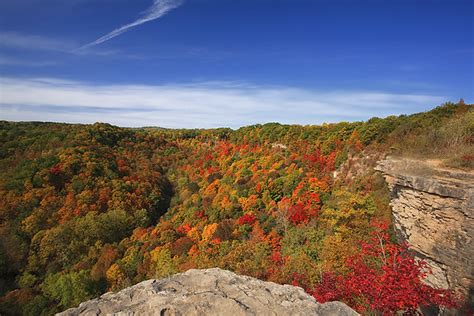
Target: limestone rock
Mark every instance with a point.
(433, 210)
(208, 292)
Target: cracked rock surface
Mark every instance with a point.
(209, 292)
(433, 210)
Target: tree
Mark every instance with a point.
(162, 262)
(116, 277)
(383, 277)
(69, 288)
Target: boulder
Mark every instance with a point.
(208, 292)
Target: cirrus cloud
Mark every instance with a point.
(156, 11)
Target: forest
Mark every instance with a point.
(86, 209)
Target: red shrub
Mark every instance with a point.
(384, 277)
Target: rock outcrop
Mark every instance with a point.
(209, 292)
(433, 210)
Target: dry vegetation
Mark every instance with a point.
(450, 138)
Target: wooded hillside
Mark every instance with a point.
(90, 208)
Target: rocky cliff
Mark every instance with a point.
(433, 210)
(209, 292)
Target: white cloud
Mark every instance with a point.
(11, 61)
(33, 42)
(207, 104)
(156, 11)
(30, 42)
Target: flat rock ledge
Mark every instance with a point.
(209, 292)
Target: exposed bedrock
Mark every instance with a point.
(209, 292)
(433, 211)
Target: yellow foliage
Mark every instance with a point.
(208, 231)
(194, 234)
(211, 189)
(226, 204)
(335, 251)
(249, 204)
(302, 264)
(163, 263)
(116, 278)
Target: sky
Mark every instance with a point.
(231, 63)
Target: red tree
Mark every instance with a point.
(247, 219)
(298, 214)
(384, 277)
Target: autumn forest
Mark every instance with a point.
(86, 209)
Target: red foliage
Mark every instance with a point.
(315, 158)
(183, 229)
(468, 157)
(383, 277)
(321, 162)
(328, 290)
(224, 148)
(200, 214)
(122, 167)
(299, 279)
(298, 214)
(313, 197)
(212, 170)
(276, 257)
(330, 162)
(208, 157)
(56, 170)
(121, 163)
(216, 241)
(247, 219)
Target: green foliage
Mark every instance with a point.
(305, 240)
(27, 280)
(163, 263)
(38, 305)
(69, 289)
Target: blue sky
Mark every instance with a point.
(209, 63)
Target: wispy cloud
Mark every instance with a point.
(34, 42)
(207, 104)
(156, 11)
(30, 42)
(11, 61)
